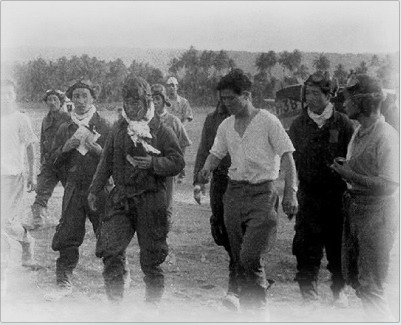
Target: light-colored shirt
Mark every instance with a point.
(181, 108)
(255, 157)
(375, 152)
(16, 135)
(175, 124)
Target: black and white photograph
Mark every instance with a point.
(200, 161)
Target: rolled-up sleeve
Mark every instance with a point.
(279, 138)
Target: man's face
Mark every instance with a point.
(82, 99)
(8, 95)
(53, 103)
(172, 89)
(159, 104)
(235, 103)
(351, 108)
(135, 108)
(316, 99)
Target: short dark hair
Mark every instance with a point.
(236, 80)
(58, 93)
(8, 82)
(82, 84)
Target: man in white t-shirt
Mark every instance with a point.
(259, 147)
(17, 138)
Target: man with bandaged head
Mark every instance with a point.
(48, 176)
(77, 148)
(371, 170)
(139, 154)
(319, 135)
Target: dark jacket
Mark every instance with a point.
(209, 131)
(316, 148)
(50, 124)
(131, 180)
(79, 168)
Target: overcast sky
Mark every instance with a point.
(326, 26)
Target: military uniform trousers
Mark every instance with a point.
(250, 216)
(145, 215)
(70, 231)
(318, 227)
(218, 187)
(47, 181)
(370, 229)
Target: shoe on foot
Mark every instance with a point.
(32, 264)
(59, 293)
(231, 302)
(340, 299)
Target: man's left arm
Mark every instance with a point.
(30, 139)
(189, 116)
(290, 202)
(172, 160)
(31, 155)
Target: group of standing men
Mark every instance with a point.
(347, 189)
(343, 198)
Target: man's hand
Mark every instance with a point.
(342, 167)
(143, 162)
(204, 175)
(92, 201)
(94, 147)
(197, 193)
(71, 144)
(290, 203)
(31, 183)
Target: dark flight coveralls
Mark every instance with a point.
(48, 176)
(80, 169)
(218, 186)
(136, 204)
(319, 221)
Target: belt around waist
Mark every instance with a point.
(234, 182)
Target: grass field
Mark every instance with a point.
(196, 269)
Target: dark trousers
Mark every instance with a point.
(218, 186)
(146, 215)
(70, 231)
(318, 227)
(47, 181)
(369, 233)
(250, 216)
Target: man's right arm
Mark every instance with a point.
(105, 167)
(203, 152)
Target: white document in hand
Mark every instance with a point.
(83, 134)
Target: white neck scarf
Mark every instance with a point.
(139, 130)
(84, 118)
(321, 119)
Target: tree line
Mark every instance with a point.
(197, 71)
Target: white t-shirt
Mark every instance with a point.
(375, 152)
(256, 156)
(16, 135)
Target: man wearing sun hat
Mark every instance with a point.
(139, 154)
(319, 135)
(179, 107)
(77, 148)
(48, 176)
(371, 170)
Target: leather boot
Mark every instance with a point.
(308, 290)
